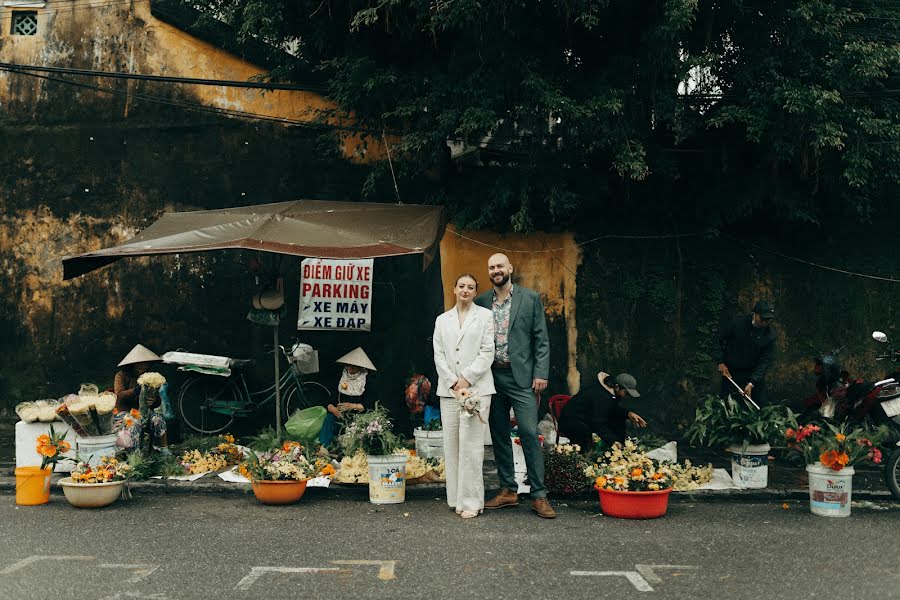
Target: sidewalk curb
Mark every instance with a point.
(436, 490)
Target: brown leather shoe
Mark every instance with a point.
(542, 507)
(505, 498)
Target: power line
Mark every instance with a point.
(810, 263)
(666, 236)
(166, 78)
(199, 107)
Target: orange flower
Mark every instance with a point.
(288, 446)
(618, 480)
(412, 452)
(328, 470)
(128, 422)
(657, 476)
(834, 460)
(600, 481)
(43, 440)
(840, 437)
(63, 446)
(637, 472)
(47, 451)
(228, 438)
(135, 413)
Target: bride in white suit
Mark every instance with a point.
(463, 354)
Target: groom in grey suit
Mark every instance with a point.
(521, 368)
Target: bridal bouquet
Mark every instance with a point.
(469, 403)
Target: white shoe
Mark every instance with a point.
(468, 514)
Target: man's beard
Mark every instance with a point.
(502, 281)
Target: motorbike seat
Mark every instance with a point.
(241, 363)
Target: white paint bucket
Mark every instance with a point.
(829, 490)
(429, 444)
(95, 448)
(750, 465)
(387, 479)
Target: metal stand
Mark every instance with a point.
(275, 353)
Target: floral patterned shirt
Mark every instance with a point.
(501, 326)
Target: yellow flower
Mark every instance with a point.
(228, 438)
(840, 437)
(600, 481)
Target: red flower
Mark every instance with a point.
(789, 433)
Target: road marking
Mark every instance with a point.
(647, 571)
(385, 571)
(635, 578)
(38, 557)
(257, 572)
(122, 595)
(139, 572)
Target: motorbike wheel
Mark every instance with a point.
(892, 473)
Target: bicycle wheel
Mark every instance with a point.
(310, 393)
(206, 404)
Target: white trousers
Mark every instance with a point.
(464, 454)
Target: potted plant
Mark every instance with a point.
(278, 476)
(564, 467)
(745, 430)
(830, 454)
(631, 484)
(94, 486)
(33, 483)
(371, 433)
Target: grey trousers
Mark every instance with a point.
(522, 401)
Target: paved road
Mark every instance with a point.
(182, 547)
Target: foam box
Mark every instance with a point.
(26, 444)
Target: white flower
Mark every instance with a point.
(151, 379)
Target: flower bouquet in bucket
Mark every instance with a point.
(372, 433)
(33, 483)
(279, 476)
(830, 453)
(631, 484)
(94, 486)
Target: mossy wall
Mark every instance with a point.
(653, 308)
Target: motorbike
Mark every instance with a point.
(889, 403)
(839, 397)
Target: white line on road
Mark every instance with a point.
(639, 583)
(138, 595)
(385, 571)
(257, 572)
(32, 559)
(139, 572)
(648, 571)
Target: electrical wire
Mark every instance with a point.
(253, 85)
(667, 236)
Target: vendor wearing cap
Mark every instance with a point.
(745, 349)
(355, 392)
(128, 394)
(596, 409)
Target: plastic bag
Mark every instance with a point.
(304, 425)
(667, 453)
(166, 406)
(548, 430)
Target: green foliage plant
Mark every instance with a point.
(727, 421)
(371, 432)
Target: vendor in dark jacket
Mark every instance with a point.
(745, 349)
(596, 409)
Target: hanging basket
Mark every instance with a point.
(634, 505)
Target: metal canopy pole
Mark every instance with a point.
(277, 386)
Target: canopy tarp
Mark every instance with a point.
(311, 228)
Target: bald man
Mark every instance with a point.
(521, 368)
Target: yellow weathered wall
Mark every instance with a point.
(97, 34)
(544, 262)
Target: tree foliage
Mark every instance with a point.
(562, 110)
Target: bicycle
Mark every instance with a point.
(209, 403)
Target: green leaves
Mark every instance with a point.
(726, 421)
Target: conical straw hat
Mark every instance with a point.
(139, 354)
(357, 358)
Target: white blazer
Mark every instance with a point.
(466, 351)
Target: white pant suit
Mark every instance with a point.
(464, 351)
